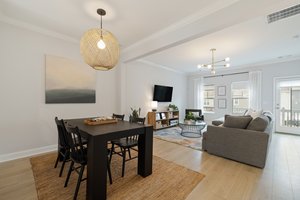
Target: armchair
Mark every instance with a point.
(197, 113)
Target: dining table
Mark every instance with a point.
(98, 136)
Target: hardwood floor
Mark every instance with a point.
(16, 180)
(225, 179)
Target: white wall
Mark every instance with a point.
(139, 83)
(269, 72)
(26, 121)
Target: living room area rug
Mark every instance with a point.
(168, 180)
(173, 135)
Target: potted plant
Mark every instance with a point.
(190, 117)
(172, 107)
(135, 114)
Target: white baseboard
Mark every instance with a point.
(27, 153)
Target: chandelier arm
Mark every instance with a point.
(220, 61)
(214, 63)
(220, 65)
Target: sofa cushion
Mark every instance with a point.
(259, 123)
(237, 121)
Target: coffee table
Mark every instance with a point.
(192, 129)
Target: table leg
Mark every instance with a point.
(96, 169)
(145, 146)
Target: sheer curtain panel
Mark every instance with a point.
(255, 84)
(198, 93)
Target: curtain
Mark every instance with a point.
(198, 93)
(255, 84)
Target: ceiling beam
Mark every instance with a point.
(210, 20)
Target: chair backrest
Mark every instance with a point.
(119, 117)
(138, 120)
(76, 145)
(61, 129)
(199, 111)
(196, 112)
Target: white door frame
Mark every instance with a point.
(275, 110)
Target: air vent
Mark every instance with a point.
(283, 13)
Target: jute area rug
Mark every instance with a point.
(168, 180)
(173, 135)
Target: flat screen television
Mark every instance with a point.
(162, 93)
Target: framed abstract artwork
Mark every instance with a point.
(68, 81)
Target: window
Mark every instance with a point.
(209, 98)
(236, 102)
(240, 97)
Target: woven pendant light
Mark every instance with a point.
(100, 48)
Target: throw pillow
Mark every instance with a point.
(259, 124)
(253, 113)
(237, 121)
(218, 121)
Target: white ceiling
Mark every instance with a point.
(247, 43)
(129, 20)
(247, 39)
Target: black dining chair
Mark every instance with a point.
(63, 153)
(125, 145)
(119, 117)
(78, 156)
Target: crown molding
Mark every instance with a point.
(269, 62)
(159, 66)
(31, 27)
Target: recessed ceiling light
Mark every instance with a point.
(296, 36)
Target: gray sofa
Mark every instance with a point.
(240, 144)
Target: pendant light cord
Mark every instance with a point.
(101, 26)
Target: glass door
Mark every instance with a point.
(288, 105)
